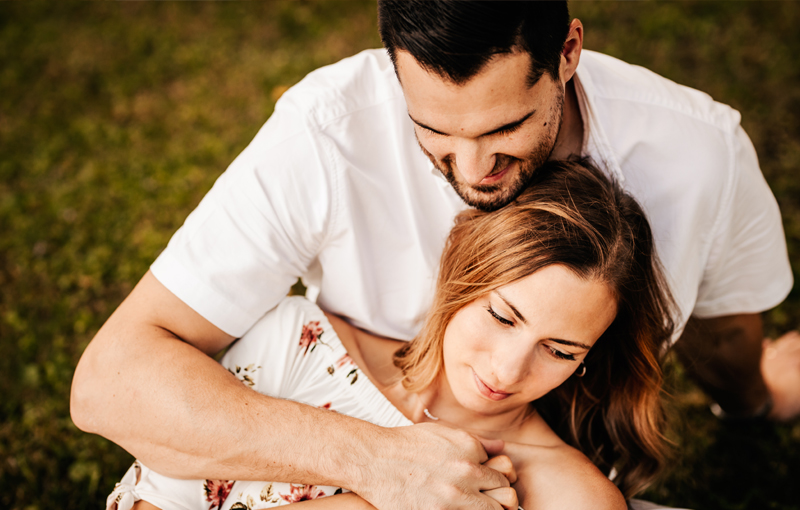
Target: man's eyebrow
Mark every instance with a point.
(504, 127)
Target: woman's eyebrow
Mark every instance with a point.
(513, 308)
(570, 343)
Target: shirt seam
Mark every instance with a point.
(335, 186)
(322, 125)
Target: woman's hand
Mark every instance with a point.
(506, 496)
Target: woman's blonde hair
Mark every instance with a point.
(571, 214)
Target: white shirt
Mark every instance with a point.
(334, 189)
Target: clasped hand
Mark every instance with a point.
(430, 466)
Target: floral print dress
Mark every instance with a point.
(291, 353)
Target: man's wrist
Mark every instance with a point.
(360, 465)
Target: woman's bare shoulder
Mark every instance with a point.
(559, 476)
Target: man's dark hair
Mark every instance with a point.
(456, 38)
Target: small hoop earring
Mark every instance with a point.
(581, 370)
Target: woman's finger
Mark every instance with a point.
(506, 496)
(503, 464)
(492, 446)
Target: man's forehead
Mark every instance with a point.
(498, 95)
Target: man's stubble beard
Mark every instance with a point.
(490, 197)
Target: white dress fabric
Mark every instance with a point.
(335, 189)
(305, 362)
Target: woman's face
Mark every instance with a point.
(517, 343)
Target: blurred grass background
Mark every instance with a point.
(116, 118)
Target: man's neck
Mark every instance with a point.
(570, 137)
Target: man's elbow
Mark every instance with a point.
(85, 400)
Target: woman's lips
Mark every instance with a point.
(487, 391)
(493, 178)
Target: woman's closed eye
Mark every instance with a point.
(502, 320)
(559, 354)
(556, 353)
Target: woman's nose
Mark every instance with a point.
(511, 366)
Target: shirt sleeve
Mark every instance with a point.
(748, 268)
(257, 230)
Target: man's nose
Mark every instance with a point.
(473, 161)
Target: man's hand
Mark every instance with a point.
(429, 466)
(780, 366)
(729, 358)
(505, 496)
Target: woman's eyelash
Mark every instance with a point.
(555, 352)
(500, 318)
(561, 355)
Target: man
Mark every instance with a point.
(335, 189)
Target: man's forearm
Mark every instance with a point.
(184, 415)
(146, 382)
(348, 501)
(723, 355)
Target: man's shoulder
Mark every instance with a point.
(351, 85)
(611, 82)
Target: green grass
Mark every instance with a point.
(116, 118)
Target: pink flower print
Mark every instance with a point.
(217, 492)
(344, 360)
(303, 493)
(311, 334)
(326, 406)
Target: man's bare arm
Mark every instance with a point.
(724, 355)
(147, 383)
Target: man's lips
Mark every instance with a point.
(487, 391)
(492, 178)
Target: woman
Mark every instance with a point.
(545, 331)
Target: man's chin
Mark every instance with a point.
(487, 200)
(488, 197)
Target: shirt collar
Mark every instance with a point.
(595, 143)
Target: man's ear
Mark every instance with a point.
(571, 54)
